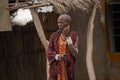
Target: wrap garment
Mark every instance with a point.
(53, 49)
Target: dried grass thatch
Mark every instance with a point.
(63, 6)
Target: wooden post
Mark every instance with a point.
(5, 23)
(89, 53)
(39, 28)
(41, 34)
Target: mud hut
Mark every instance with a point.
(22, 48)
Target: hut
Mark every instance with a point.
(22, 48)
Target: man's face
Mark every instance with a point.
(62, 23)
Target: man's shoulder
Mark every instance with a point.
(74, 32)
(55, 33)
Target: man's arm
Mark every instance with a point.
(50, 51)
(73, 48)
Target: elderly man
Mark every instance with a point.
(62, 50)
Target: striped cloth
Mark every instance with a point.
(62, 50)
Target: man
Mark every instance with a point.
(62, 50)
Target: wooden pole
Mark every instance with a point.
(37, 5)
(89, 53)
(28, 5)
(39, 28)
(41, 34)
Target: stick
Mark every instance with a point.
(39, 28)
(89, 53)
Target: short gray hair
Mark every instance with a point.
(66, 17)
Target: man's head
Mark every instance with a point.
(64, 20)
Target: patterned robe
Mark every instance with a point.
(53, 49)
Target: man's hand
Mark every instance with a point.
(60, 57)
(66, 31)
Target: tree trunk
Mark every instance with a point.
(89, 53)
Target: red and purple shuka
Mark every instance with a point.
(53, 49)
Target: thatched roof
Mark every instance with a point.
(63, 6)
